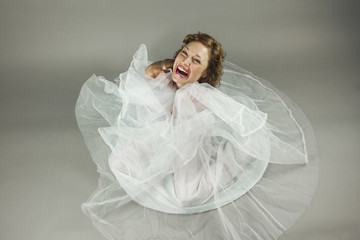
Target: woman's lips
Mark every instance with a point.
(182, 72)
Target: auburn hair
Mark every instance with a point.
(214, 69)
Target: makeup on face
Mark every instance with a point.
(190, 64)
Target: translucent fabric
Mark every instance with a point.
(234, 162)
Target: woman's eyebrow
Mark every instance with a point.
(197, 55)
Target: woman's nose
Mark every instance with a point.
(187, 61)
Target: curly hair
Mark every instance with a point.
(214, 69)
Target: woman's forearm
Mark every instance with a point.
(160, 67)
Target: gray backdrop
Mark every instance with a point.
(307, 49)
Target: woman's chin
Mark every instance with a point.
(178, 78)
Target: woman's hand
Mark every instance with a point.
(158, 68)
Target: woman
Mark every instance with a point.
(181, 159)
(201, 53)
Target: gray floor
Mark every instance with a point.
(308, 49)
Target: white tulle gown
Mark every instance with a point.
(234, 162)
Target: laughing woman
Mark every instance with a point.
(181, 156)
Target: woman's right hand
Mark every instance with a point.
(158, 68)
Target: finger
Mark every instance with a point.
(164, 68)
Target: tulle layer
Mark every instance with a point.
(234, 162)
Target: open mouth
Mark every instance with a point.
(182, 72)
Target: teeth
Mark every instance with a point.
(182, 69)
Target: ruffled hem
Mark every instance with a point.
(234, 162)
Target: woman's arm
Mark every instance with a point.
(158, 68)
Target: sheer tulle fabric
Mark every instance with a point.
(234, 162)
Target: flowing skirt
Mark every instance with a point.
(234, 162)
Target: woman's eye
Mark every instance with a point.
(184, 53)
(196, 61)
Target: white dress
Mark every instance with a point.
(234, 162)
